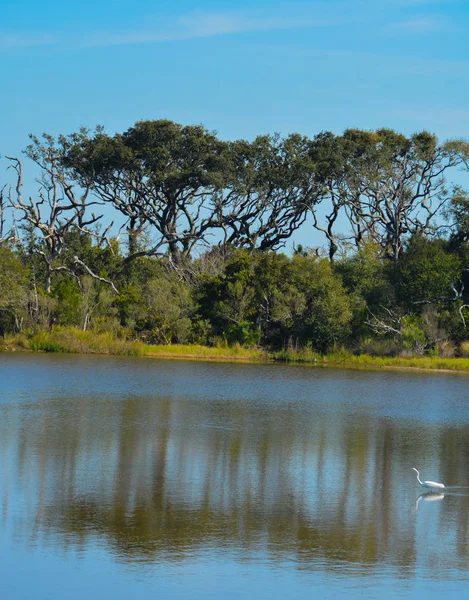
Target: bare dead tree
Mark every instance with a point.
(55, 211)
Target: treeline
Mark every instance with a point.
(168, 234)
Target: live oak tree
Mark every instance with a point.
(271, 188)
(187, 185)
(457, 216)
(397, 184)
(157, 173)
(388, 186)
(335, 175)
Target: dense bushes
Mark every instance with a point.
(253, 298)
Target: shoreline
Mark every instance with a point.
(312, 364)
(77, 342)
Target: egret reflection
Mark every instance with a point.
(428, 497)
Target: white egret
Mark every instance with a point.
(433, 485)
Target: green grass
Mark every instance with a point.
(417, 362)
(72, 340)
(347, 359)
(76, 341)
(219, 352)
(301, 355)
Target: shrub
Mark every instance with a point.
(377, 346)
(446, 349)
(243, 333)
(413, 338)
(42, 341)
(464, 349)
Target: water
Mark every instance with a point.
(157, 479)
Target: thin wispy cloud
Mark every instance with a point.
(196, 26)
(375, 62)
(185, 27)
(314, 15)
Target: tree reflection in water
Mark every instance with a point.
(166, 478)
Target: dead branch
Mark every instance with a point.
(380, 327)
(77, 261)
(458, 294)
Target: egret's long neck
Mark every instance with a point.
(418, 476)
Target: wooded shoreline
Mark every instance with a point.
(74, 341)
(167, 236)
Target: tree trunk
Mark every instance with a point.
(47, 282)
(86, 320)
(133, 232)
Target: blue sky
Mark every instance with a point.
(242, 68)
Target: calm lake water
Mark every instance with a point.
(142, 478)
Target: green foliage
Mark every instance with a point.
(73, 340)
(327, 318)
(378, 346)
(413, 337)
(270, 187)
(457, 214)
(272, 299)
(179, 187)
(129, 304)
(243, 333)
(168, 306)
(364, 273)
(157, 173)
(365, 276)
(425, 272)
(464, 349)
(43, 342)
(14, 291)
(68, 299)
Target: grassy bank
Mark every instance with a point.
(348, 359)
(71, 340)
(75, 341)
